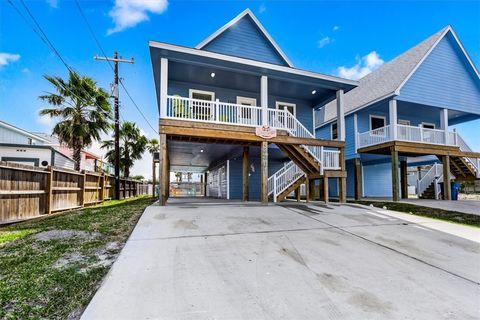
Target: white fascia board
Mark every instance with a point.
(259, 64)
(21, 131)
(248, 12)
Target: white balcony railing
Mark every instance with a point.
(406, 133)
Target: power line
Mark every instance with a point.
(110, 64)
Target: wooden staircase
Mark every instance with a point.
(291, 188)
(301, 158)
(461, 169)
(429, 193)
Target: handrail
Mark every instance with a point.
(428, 178)
(465, 147)
(283, 178)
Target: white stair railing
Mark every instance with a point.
(475, 163)
(432, 174)
(283, 178)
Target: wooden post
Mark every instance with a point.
(404, 179)
(154, 177)
(297, 194)
(358, 179)
(49, 190)
(245, 178)
(101, 191)
(447, 191)
(325, 189)
(82, 180)
(342, 181)
(395, 193)
(312, 188)
(307, 190)
(264, 173)
(163, 169)
(205, 185)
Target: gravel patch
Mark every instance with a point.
(65, 234)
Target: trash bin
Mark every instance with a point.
(455, 189)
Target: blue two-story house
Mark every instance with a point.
(400, 117)
(236, 110)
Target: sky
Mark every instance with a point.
(347, 39)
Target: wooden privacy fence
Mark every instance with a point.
(27, 192)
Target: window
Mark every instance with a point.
(428, 125)
(334, 131)
(376, 122)
(246, 115)
(291, 107)
(29, 141)
(404, 122)
(202, 110)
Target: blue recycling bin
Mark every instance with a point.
(455, 190)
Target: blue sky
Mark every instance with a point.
(322, 36)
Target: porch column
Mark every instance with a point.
(163, 170)
(245, 178)
(444, 123)
(264, 99)
(392, 110)
(342, 197)
(264, 173)
(163, 86)
(358, 179)
(340, 115)
(395, 195)
(325, 189)
(404, 179)
(447, 195)
(311, 190)
(307, 190)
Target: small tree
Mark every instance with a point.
(82, 109)
(132, 145)
(152, 147)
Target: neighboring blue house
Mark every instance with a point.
(399, 117)
(235, 108)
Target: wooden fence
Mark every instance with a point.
(27, 192)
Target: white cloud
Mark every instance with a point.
(46, 122)
(53, 3)
(26, 70)
(262, 8)
(128, 13)
(335, 28)
(364, 66)
(6, 58)
(323, 42)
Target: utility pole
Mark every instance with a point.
(116, 60)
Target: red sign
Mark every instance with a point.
(266, 132)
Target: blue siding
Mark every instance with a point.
(350, 165)
(444, 80)
(333, 187)
(324, 132)
(244, 39)
(304, 109)
(236, 178)
(377, 180)
(349, 137)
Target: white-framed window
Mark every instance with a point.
(334, 130)
(404, 122)
(427, 125)
(202, 108)
(291, 107)
(377, 122)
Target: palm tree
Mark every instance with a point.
(132, 145)
(152, 147)
(82, 109)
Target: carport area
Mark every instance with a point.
(214, 259)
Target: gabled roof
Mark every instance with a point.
(249, 13)
(388, 80)
(23, 132)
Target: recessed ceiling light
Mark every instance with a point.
(314, 91)
(201, 150)
(212, 74)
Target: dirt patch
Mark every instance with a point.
(68, 259)
(186, 224)
(65, 234)
(369, 302)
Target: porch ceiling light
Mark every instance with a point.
(201, 150)
(212, 74)
(314, 91)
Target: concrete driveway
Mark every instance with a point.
(211, 260)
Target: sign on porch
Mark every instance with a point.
(266, 132)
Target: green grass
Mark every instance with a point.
(441, 214)
(56, 278)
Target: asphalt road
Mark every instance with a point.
(228, 260)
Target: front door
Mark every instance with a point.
(246, 115)
(202, 104)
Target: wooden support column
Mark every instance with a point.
(447, 195)
(154, 177)
(264, 173)
(358, 179)
(342, 182)
(325, 189)
(311, 189)
(163, 179)
(395, 193)
(307, 190)
(49, 192)
(205, 185)
(297, 194)
(404, 179)
(245, 178)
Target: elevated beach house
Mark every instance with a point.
(400, 117)
(236, 110)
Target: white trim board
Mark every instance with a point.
(192, 91)
(244, 13)
(370, 116)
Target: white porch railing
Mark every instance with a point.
(406, 133)
(283, 178)
(433, 174)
